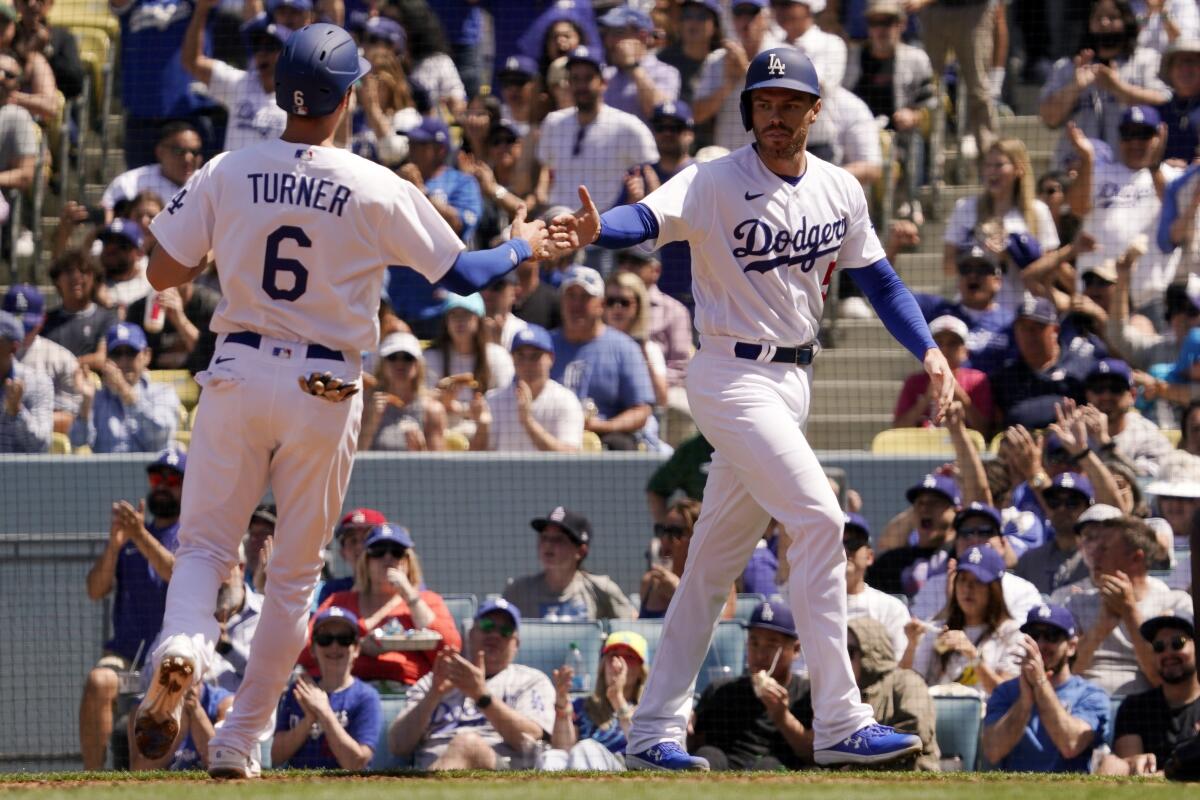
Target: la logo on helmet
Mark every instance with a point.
(775, 66)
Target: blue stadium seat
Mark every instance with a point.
(545, 645)
(746, 603)
(959, 720)
(727, 656)
(462, 607)
(383, 759)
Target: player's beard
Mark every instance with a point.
(795, 145)
(162, 504)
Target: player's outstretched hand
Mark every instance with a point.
(942, 378)
(535, 233)
(327, 387)
(569, 232)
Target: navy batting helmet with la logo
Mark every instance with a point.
(779, 68)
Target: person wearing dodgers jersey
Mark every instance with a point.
(768, 225)
(303, 232)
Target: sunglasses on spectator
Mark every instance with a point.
(486, 625)
(180, 152)
(122, 352)
(620, 302)
(1107, 386)
(672, 531)
(396, 551)
(1047, 634)
(976, 270)
(1137, 133)
(1177, 643)
(978, 532)
(1049, 189)
(406, 358)
(670, 127)
(515, 79)
(163, 477)
(326, 639)
(882, 22)
(1071, 501)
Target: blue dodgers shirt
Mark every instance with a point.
(187, 757)
(153, 80)
(609, 369)
(1035, 752)
(357, 708)
(140, 598)
(461, 192)
(989, 333)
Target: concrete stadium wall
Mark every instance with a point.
(469, 515)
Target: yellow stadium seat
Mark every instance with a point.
(185, 385)
(457, 442)
(94, 49)
(85, 14)
(1172, 435)
(919, 441)
(60, 444)
(591, 442)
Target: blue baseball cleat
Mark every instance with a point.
(665, 756)
(874, 744)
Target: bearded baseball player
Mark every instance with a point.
(302, 232)
(768, 224)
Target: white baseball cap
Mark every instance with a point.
(1178, 476)
(947, 322)
(1098, 512)
(400, 343)
(586, 277)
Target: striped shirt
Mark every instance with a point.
(609, 734)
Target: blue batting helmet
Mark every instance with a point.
(319, 64)
(779, 68)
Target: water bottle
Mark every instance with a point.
(582, 680)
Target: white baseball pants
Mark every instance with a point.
(255, 428)
(753, 414)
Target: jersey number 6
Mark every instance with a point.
(273, 264)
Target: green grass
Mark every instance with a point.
(542, 786)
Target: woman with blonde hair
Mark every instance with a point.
(384, 96)
(627, 308)
(401, 413)
(389, 589)
(1005, 217)
(590, 732)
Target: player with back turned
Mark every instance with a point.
(768, 225)
(302, 232)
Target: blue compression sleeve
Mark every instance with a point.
(472, 271)
(895, 305)
(625, 226)
(1170, 207)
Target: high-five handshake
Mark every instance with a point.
(566, 233)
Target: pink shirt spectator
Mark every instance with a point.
(973, 382)
(671, 329)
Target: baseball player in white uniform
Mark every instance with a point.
(768, 225)
(302, 232)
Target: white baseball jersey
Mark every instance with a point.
(253, 114)
(301, 235)
(764, 251)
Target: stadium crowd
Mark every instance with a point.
(1044, 569)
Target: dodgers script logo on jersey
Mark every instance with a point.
(806, 243)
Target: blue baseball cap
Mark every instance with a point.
(11, 327)
(26, 302)
(471, 302)
(1112, 366)
(339, 614)
(980, 510)
(500, 604)
(533, 336)
(302, 5)
(940, 484)
(1054, 616)
(431, 129)
(388, 532)
(773, 615)
(983, 562)
(586, 55)
(1038, 309)
(626, 17)
(1023, 249)
(388, 30)
(171, 458)
(1073, 482)
(1140, 117)
(262, 25)
(711, 5)
(1180, 621)
(759, 4)
(125, 334)
(518, 65)
(123, 229)
(857, 521)
(673, 109)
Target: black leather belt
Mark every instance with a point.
(254, 340)
(800, 356)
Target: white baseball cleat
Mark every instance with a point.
(229, 764)
(157, 722)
